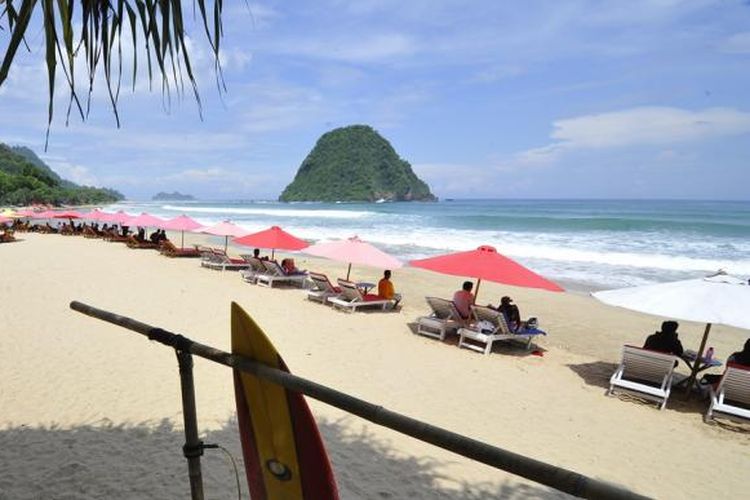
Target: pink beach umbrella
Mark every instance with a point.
(354, 251)
(182, 223)
(46, 214)
(225, 229)
(119, 217)
(93, 215)
(146, 220)
(5, 220)
(25, 213)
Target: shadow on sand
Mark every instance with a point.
(598, 373)
(508, 348)
(145, 461)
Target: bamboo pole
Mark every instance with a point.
(555, 477)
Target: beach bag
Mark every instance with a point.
(485, 326)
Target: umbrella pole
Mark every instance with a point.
(348, 271)
(273, 251)
(226, 243)
(476, 290)
(182, 240)
(697, 363)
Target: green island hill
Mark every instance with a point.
(355, 163)
(25, 179)
(173, 196)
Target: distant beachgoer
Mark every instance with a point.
(154, 237)
(386, 290)
(665, 340)
(464, 299)
(510, 312)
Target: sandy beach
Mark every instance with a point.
(89, 410)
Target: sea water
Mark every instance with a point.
(587, 244)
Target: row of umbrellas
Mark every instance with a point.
(718, 299)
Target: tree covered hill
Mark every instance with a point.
(355, 163)
(26, 179)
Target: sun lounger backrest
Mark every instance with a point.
(442, 308)
(349, 290)
(322, 282)
(273, 268)
(644, 364)
(490, 315)
(735, 384)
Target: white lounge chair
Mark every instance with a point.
(732, 396)
(250, 274)
(489, 326)
(275, 274)
(351, 298)
(323, 290)
(220, 261)
(644, 373)
(444, 318)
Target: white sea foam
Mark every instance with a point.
(273, 212)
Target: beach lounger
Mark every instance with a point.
(220, 261)
(168, 249)
(444, 318)
(133, 243)
(489, 326)
(88, 232)
(256, 268)
(274, 273)
(731, 398)
(7, 236)
(351, 298)
(644, 373)
(323, 290)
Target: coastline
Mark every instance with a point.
(88, 407)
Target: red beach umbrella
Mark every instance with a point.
(182, 223)
(354, 251)
(146, 220)
(486, 263)
(67, 214)
(273, 238)
(225, 229)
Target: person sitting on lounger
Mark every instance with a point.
(510, 312)
(741, 357)
(154, 237)
(289, 268)
(665, 340)
(256, 254)
(464, 299)
(386, 290)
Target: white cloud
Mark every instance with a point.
(638, 127)
(72, 172)
(360, 49)
(739, 43)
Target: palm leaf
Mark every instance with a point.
(96, 28)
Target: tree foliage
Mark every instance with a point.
(355, 164)
(94, 30)
(23, 181)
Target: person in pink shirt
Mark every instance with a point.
(464, 299)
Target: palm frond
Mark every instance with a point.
(159, 23)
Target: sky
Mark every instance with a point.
(485, 99)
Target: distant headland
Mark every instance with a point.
(355, 163)
(173, 196)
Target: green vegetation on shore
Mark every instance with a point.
(355, 163)
(26, 179)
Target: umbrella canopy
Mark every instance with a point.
(46, 214)
(95, 214)
(225, 229)
(10, 214)
(119, 217)
(25, 213)
(485, 263)
(67, 214)
(273, 238)
(720, 299)
(181, 223)
(146, 220)
(4, 219)
(354, 251)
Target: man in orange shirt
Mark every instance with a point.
(385, 288)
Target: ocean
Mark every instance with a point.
(583, 244)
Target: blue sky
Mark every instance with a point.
(548, 99)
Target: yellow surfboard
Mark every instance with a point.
(284, 453)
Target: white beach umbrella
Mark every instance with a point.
(718, 299)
